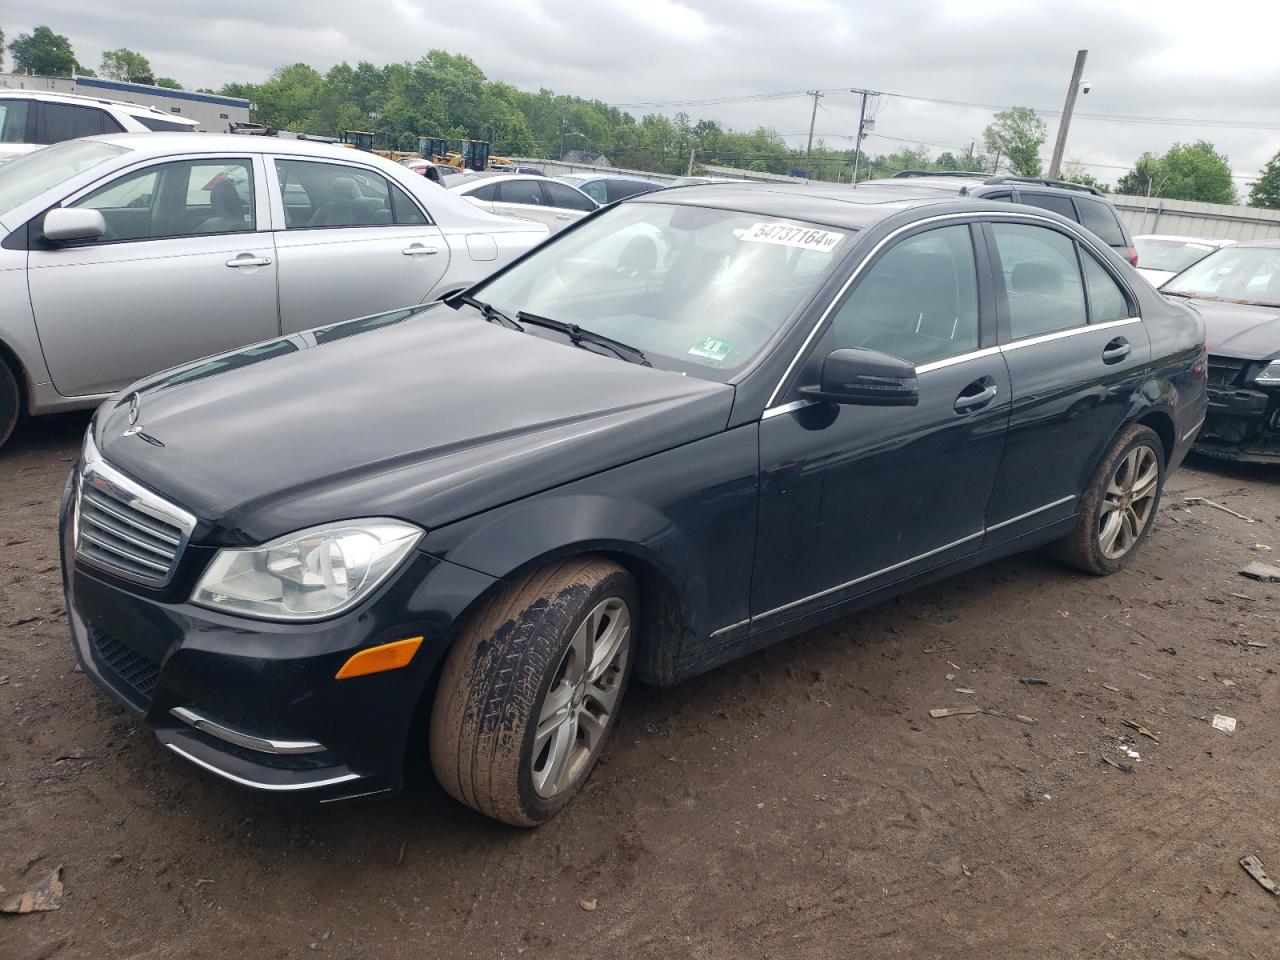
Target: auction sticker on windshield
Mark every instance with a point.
(786, 235)
(712, 348)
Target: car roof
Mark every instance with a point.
(1271, 243)
(124, 106)
(1177, 238)
(588, 178)
(158, 144)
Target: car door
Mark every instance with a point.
(568, 205)
(185, 269)
(1077, 352)
(523, 198)
(350, 243)
(854, 498)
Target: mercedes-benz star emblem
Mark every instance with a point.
(135, 406)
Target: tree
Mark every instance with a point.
(1, 51)
(1193, 171)
(125, 64)
(1075, 172)
(1016, 135)
(1266, 192)
(169, 82)
(43, 52)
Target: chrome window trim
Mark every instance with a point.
(261, 744)
(958, 358)
(1069, 332)
(256, 785)
(1031, 513)
(1071, 228)
(869, 576)
(786, 408)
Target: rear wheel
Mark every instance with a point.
(1120, 504)
(531, 691)
(10, 402)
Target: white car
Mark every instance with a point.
(30, 119)
(126, 254)
(1160, 256)
(528, 197)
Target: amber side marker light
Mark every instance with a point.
(379, 659)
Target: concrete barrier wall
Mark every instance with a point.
(1186, 218)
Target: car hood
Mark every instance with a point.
(429, 415)
(1245, 331)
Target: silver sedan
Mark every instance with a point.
(520, 195)
(122, 255)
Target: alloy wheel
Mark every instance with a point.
(1129, 502)
(581, 700)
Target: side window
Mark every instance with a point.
(919, 301)
(1042, 278)
(486, 193)
(405, 212)
(178, 199)
(13, 120)
(520, 191)
(567, 198)
(1106, 300)
(66, 121)
(155, 123)
(1049, 201)
(597, 190)
(318, 195)
(1100, 219)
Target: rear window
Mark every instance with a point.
(66, 121)
(1097, 216)
(1050, 201)
(155, 123)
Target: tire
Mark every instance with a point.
(518, 721)
(10, 402)
(1119, 506)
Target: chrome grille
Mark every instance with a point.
(123, 527)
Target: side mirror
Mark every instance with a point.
(71, 223)
(866, 377)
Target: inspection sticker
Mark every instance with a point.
(711, 348)
(785, 235)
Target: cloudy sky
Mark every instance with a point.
(1176, 60)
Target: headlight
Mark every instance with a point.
(308, 575)
(1269, 374)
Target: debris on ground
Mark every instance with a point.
(1213, 896)
(1035, 681)
(1225, 724)
(941, 712)
(588, 905)
(1124, 767)
(1191, 501)
(45, 895)
(1265, 572)
(994, 712)
(1134, 725)
(1107, 686)
(1253, 867)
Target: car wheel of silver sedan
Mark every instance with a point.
(1119, 506)
(531, 690)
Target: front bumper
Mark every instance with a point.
(254, 703)
(1242, 423)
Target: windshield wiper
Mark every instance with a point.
(488, 310)
(578, 336)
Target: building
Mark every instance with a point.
(214, 113)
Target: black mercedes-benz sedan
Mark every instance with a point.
(1237, 291)
(696, 423)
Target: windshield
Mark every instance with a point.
(1251, 274)
(31, 175)
(697, 290)
(1171, 256)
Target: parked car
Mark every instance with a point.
(1087, 206)
(438, 173)
(469, 525)
(611, 189)
(30, 119)
(1237, 291)
(555, 204)
(125, 254)
(1162, 256)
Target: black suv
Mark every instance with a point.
(1087, 206)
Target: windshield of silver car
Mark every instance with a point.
(698, 290)
(1250, 274)
(31, 175)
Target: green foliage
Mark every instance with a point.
(43, 52)
(1016, 136)
(1266, 192)
(1076, 173)
(1, 50)
(1193, 171)
(124, 64)
(169, 82)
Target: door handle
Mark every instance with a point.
(984, 391)
(564, 216)
(1116, 350)
(418, 250)
(245, 260)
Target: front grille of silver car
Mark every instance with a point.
(124, 528)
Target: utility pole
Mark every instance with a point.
(690, 171)
(813, 118)
(862, 124)
(1055, 165)
(564, 125)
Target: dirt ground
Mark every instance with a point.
(798, 803)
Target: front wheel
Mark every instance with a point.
(1119, 506)
(531, 690)
(10, 402)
